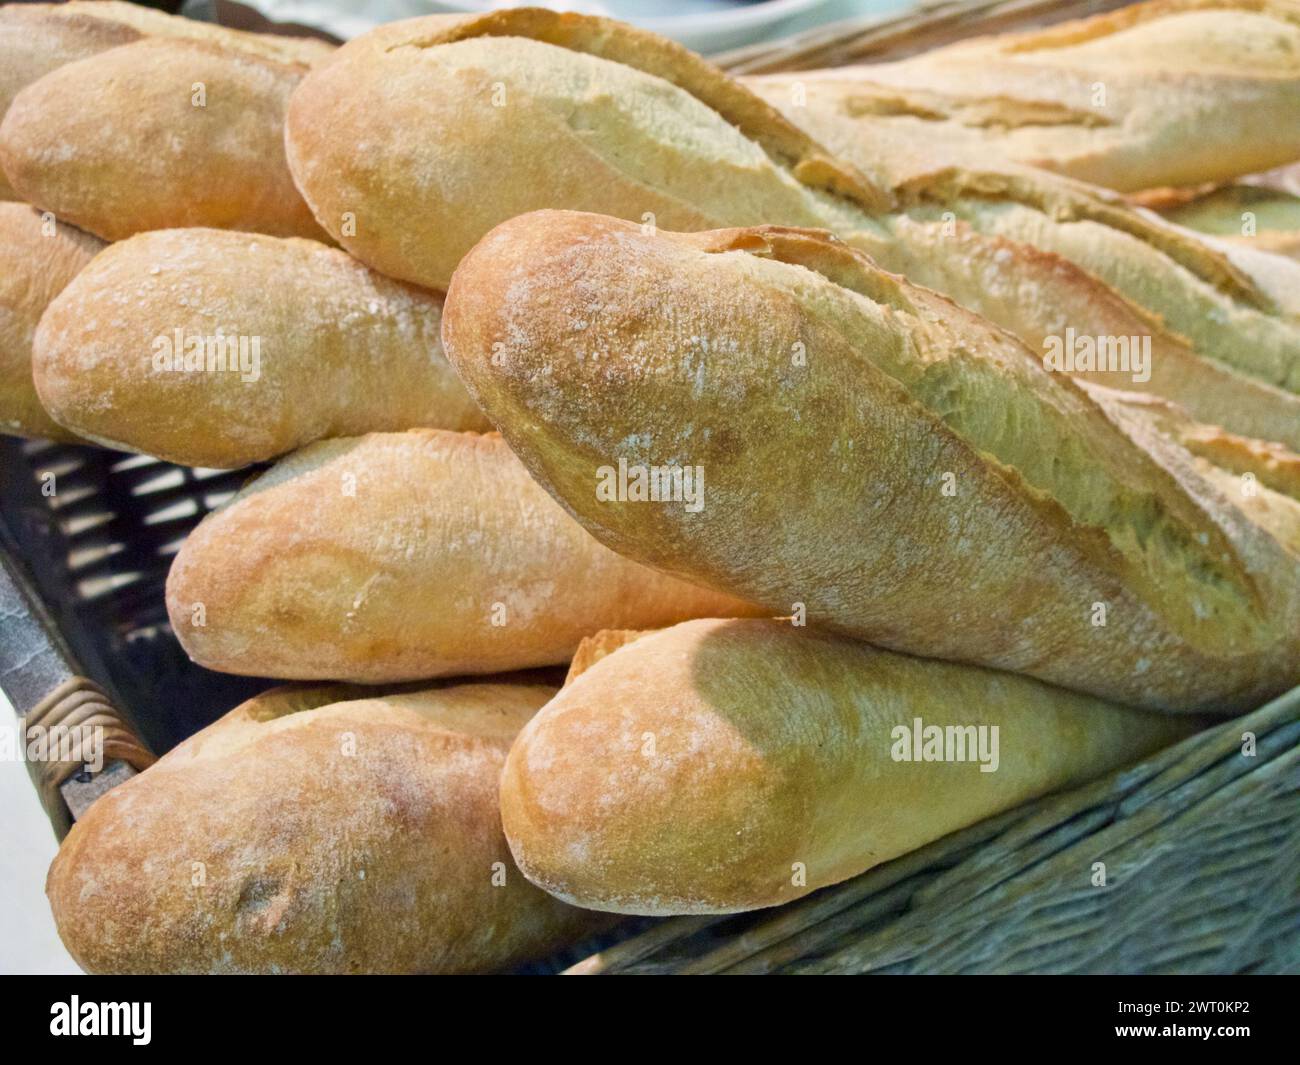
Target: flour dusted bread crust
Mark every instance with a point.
(908, 472)
(467, 122)
(313, 344)
(155, 134)
(406, 555)
(729, 765)
(34, 41)
(314, 830)
(38, 38)
(38, 257)
(1169, 92)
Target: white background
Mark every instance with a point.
(28, 941)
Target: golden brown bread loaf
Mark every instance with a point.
(397, 556)
(38, 257)
(156, 134)
(1168, 92)
(313, 344)
(910, 473)
(32, 43)
(730, 765)
(314, 830)
(470, 121)
(38, 38)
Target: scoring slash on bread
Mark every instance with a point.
(910, 473)
(214, 348)
(38, 257)
(406, 555)
(1169, 92)
(159, 133)
(470, 121)
(728, 765)
(315, 830)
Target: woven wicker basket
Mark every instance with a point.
(1188, 862)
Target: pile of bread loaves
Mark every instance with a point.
(871, 471)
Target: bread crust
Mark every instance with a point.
(590, 342)
(38, 38)
(159, 133)
(314, 830)
(730, 765)
(37, 260)
(406, 555)
(340, 349)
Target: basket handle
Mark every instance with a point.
(59, 710)
(75, 725)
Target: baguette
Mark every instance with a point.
(730, 765)
(314, 345)
(38, 38)
(926, 483)
(38, 257)
(316, 830)
(402, 556)
(1168, 92)
(157, 134)
(598, 116)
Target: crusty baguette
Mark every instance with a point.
(38, 38)
(38, 257)
(470, 121)
(1168, 92)
(159, 133)
(911, 474)
(729, 765)
(314, 830)
(33, 43)
(406, 555)
(329, 348)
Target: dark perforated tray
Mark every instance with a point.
(94, 544)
